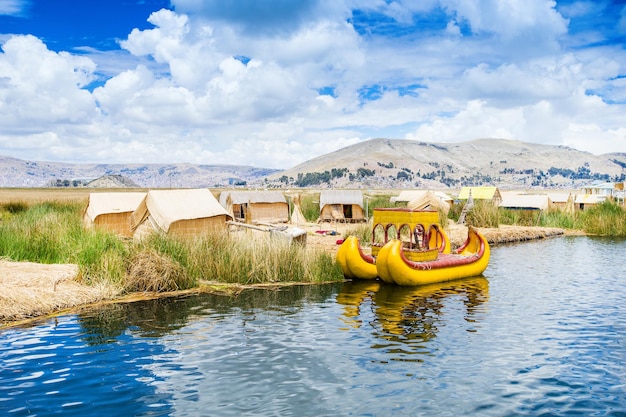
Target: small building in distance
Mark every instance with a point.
(256, 206)
(341, 205)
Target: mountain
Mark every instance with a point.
(376, 163)
(398, 163)
(19, 173)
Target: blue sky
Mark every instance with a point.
(277, 82)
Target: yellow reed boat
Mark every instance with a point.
(418, 230)
(470, 260)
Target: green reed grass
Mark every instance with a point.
(310, 206)
(557, 218)
(606, 219)
(53, 233)
(234, 259)
(484, 214)
(363, 231)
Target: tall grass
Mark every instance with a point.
(557, 218)
(53, 233)
(363, 231)
(310, 206)
(266, 259)
(484, 214)
(606, 219)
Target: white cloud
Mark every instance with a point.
(41, 88)
(13, 7)
(213, 83)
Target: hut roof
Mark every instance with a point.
(560, 197)
(429, 200)
(169, 206)
(107, 203)
(243, 197)
(589, 199)
(408, 195)
(514, 200)
(341, 197)
(480, 193)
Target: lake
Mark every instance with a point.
(543, 332)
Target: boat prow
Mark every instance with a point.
(354, 262)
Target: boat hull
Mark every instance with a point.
(470, 260)
(355, 263)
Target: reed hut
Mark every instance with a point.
(562, 201)
(186, 213)
(344, 205)
(585, 201)
(256, 206)
(111, 212)
(527, 202)
(481, 193)
(409, 195)
(429, 200)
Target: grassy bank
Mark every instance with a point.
(606, 219)
(52, 232)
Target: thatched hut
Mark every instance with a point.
(179, 213)
(527, 202)
(256, 206)
(429, 200)
(409, 195)
(111, 211)
(344, 205)
(585, 201)
(481, 193)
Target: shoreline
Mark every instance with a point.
(58, 284)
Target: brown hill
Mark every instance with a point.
(384, 163)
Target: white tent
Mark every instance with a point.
(179, 212)
(111, 211)
(513, 200)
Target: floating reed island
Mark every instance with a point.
(51, 262)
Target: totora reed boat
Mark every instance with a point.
(470, 260)
(409, 248)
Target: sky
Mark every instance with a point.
(274, 83)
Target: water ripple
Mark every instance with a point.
(542, 333)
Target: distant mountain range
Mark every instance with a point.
(376, 163)
(19, 173)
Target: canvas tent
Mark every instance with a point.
(111, 211)
(179, 213)
(346, 205)
(256, 206)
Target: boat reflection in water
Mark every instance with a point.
(405, 319)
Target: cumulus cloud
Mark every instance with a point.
(276, 83)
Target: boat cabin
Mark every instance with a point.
(419, 230)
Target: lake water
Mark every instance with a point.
(542, 333)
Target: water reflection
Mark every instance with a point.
(157, 318)
(404, 319)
